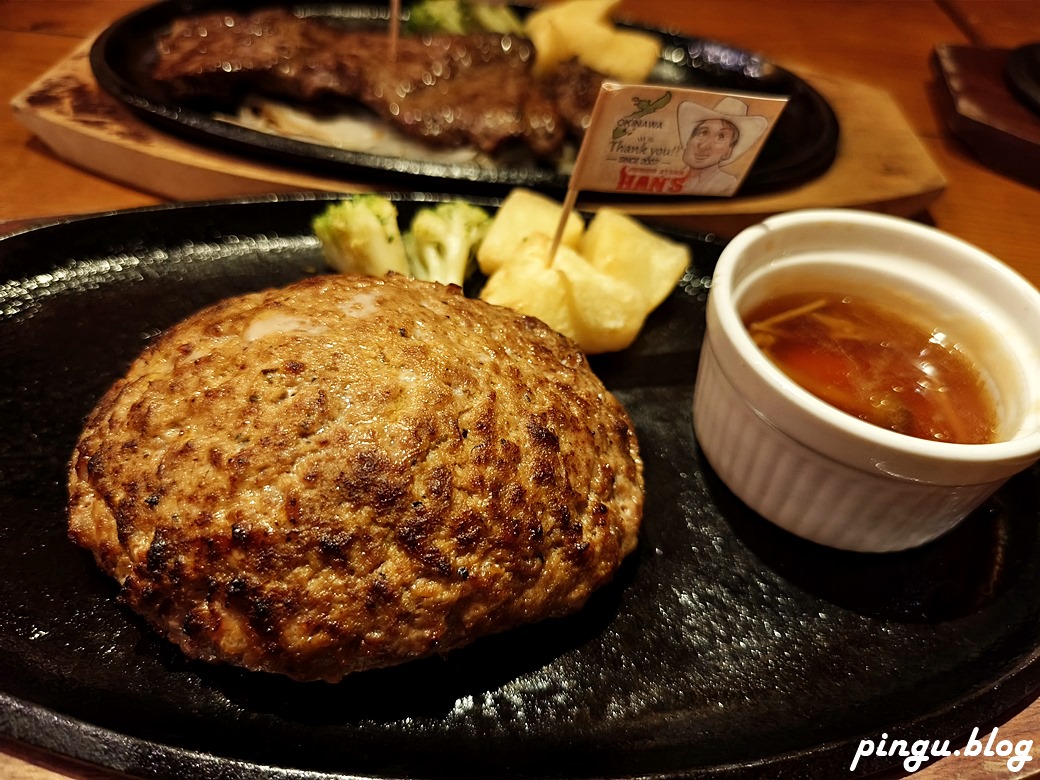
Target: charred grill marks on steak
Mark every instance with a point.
(448, 90)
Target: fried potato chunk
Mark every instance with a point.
(600, 285)
(524, 213)
(628, 251)
(599, 312)
(583, 29)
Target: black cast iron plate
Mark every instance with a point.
(801, 146)
(724, 648)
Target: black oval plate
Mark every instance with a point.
(725, 648)
(803, 143)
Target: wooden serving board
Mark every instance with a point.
(881, 165)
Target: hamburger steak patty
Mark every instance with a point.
(352, 472)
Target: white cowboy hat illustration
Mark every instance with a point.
(732, 110)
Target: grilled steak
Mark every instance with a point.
(474, 90)
(352, 472)
(573, 88)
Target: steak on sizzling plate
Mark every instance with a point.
(448, 90)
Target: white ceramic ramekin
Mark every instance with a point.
(826, 475)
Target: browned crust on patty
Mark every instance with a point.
(352, 472)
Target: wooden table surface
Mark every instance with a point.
(883, 43)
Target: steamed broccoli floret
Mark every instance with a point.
(361, 235)
(442, 241)
(461, 17)
(437, 16)
(496, 18)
